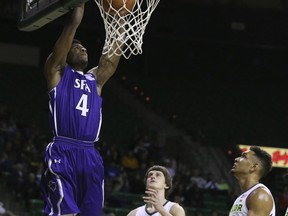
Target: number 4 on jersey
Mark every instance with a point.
(82, 105)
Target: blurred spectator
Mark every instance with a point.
(223, 186)
(177, 194)
(156, 152)
(5, 212)
(170, 164)
(141, 150)
(16, 180)
(130, 161)
(136, 182)
(31, 189)
(115, 178)
(5, 163)
(109, 152)
(198, 178)
(211, 183)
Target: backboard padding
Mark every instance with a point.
(36, 13)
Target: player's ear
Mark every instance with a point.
(166, 186)
(254, 167)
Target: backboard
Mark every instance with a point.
(36, 13)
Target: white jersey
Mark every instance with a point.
(286, 214)
(239, 207)
(142, 210)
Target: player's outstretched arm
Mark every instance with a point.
(106, 68)
(108, 63)
(56, 61)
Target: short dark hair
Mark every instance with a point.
(167, 176)
(265, 159)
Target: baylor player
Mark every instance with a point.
(256, 199)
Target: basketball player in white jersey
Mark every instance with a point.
(158, 185)
(255, 198)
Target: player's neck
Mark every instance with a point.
(77, 68)
(246, 183)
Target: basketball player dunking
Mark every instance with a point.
(72, 181)
(255, 198)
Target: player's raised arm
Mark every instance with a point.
(108, 63)
(106, 68)
(56, 61)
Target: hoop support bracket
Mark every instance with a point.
(41, 12)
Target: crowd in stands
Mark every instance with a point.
(22, 144)
(20, 159)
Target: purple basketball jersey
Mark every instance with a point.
(75, 102)
(73, 171)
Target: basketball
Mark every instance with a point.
(120, 6)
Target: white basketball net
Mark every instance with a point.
(128, 29)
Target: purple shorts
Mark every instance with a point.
(72, 181)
